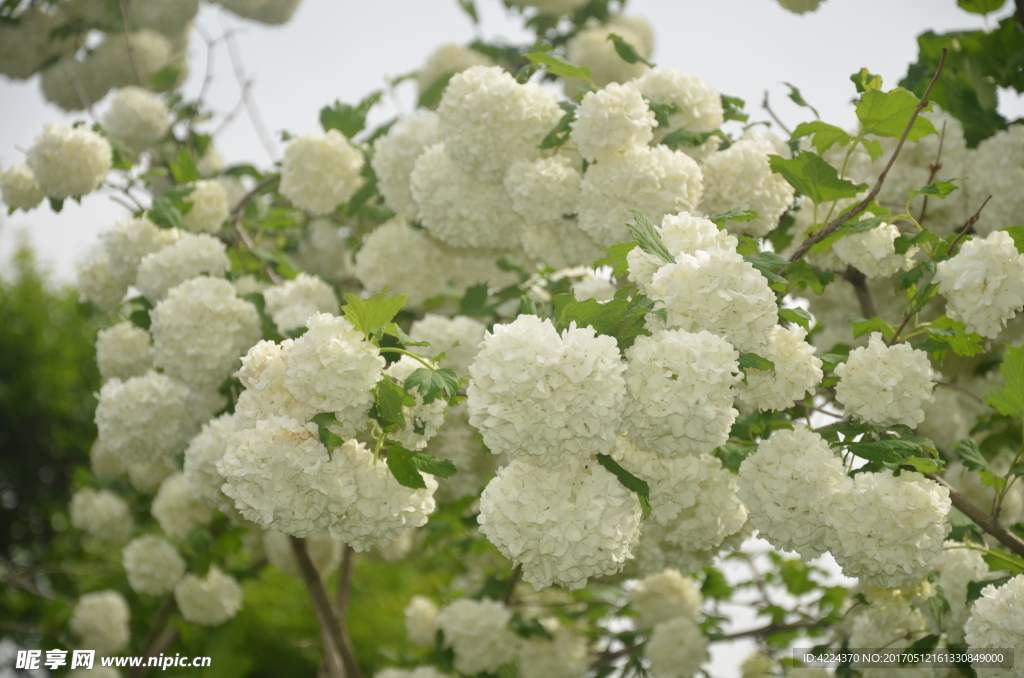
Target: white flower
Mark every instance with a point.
(270, 12)
(200, 330)
(488, 121)
(657, 181)
(544, 191)
(756, 665)
(170, 18)
(563, 656)
(137, 117)
(459, 443)
(104, 463)
(700, 106)
(144, 419)
(100, 622)
(110, 65)
(885, 385)
(681, 233)
(176, 508)
(538, 395)
(958, 568)
(458, 208)
(265, 395)
(324, 251)
(796, 372)
(209, 600)
(554, 7)
(559, 246)
(19, 189)
(395, 156)
(209, 208)
(422, 420)
(591, 47)
(153, 566)
(789, 485)
(611, 120)
(677, 648)
(984, 283)
(592, 287)
(441, 332)
(146, 478)
(201, 457)
(190, 256)
(291, 303)
(421, 620)
(739, 178)
(123, 351)
(873, 252)
(996, 622)
(69, 163)
(321, 171)
(323, 551)
(664, 596)
(800, 6)
(333, 368)
(26, 45)
(477, 631)
(673, 481)
(129, 241)
(890, 529)
(562, 523)
(446, 61)
(890, 620)
(680, 391)
(996, 170)
(103, 515)
(96, 282)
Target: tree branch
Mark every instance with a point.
(765, 106)
(840, 221)
(152, 646)
(770, 629)
(984, 520)
(517, 572)
(344, 591)
(860, 286)
(126, 18)
(970, 222)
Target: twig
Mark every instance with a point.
(934, 171)
(770, 629)
(344, 592)
(126, 18)
(765, 106)
(161, 646)
(236, 223)
(970, 222)
(899, 330)
(236, 211)
(860, 286)
(77, 86)
(151, 646)
(19, 581)
(841, 220)
(984, 520)
(517, 572)
(949, 384)
(254, 114)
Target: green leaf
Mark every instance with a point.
(389, 402)
(56, 205)
(617, 318)
(829, 361)
(802, 275)
(556, 65)
(474, 301)
(560, 134)
(1009, 398)
(998, 559)
(866, 81)
(738, 216)
(648, 238)
(1017, 233)
(815, 178)
(184, 168)
(970, 454)
(397, 332)
(980, 6)
(682, 137)
(469, 7)
(876, 324)
(733, 108)
(732, 455)
(327, 438)
(924, 465)
(406, 466)
(798, 99)
(662, 110)
(797, 316)
(616, 258)
(887, 114)
(348, 119)
(372, 314)
(165, 214)
(433, 383)
(950, 333)
(627, 51)
(769, 264)
(884, 451)
(431, 96)
(825, 135)
(873, 147)
(746, 246)
(753, 361)
(164, 79)
(629, 481)
(141, 319)
(938, 189)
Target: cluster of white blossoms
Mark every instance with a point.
(200, 465)
(100, 622)
(995, 622)
(291, 303)
(664, 596)
(153, 566)
(177, 510)
(873, 252)
(137, 118)
(209, 600)
(885, 384)
(984, 283)
(207, 207)
(677, 648)
(421, 620)
(102, 515)
(145, 419)
(797, 371)
(890, 620)
(321, 171)
(477, 631)
(563, 655)
(19, 189)
(191, 255)
(69, 162)
(123, 351)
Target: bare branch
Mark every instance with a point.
(970, 222)
(250, 106)
(983, 519)
(860, 286)
(126, 18)
(765, 106)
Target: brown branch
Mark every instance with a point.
(770, 629)
(970, 222)
(860, 286)
(236, 211)
(344, 592)
(984, 520)
(126, 18)
(899, 330)
(160, 647)
(933, 172)
(236, 223)
(154, 644)
(517, 572)
(765, 106)
(840, 221)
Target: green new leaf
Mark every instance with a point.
(682, 137)
(560, 134)
(876, 324)
(165, 79)
(648, 238)
(939, 189)
(141, 319)
(975, 588)
(887, 114)
(1017, 233)
(866, 81)
(797, 316)
(627, 51)
(738, 216)
(733, 108)
(474, 301)
(798, 99)
(164, 214)
(998, 559)
(431, 96)
(746, 246)
(556, 65)
(469, 7)
(769, 264)
(389, 402)
(811, 175)
(980, 6)
(873, 147)
(327, 438)
(184, 168)
(616, 258)
(629, 481)
(662, 110)
(372, 314)
(398, 333)
(824, 135)
(923, 465)
(619, 318)
(802, 275)
(406, 466)
(829, 361)
(971, 456)
(753, 361)
(949, 333)
(433, 383)
(347, 119)
(885, 451)
(1009, 398)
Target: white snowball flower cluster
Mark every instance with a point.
(96, 282)
(262, 374)
(324, 251)
(395, 157)
(100, 622)
(459, 442)
(19, 188)
(664, 596)
(270, 12)
(681, 388)
(26, 45)
(477, 631)
(171, 19)
(209, 207)
(591, 47)
(564, 655)
(209, 600)
(146, 418)
(460, 209)
(984, 283)
(673, 481)
(740, 178)
(544, 191)
(681, 233)
(323, 551)
(885, 385)
(137, 117)
(797, 371)
(996, 170)
(489, 121)
(422, 420)
(201, 457)
(321, 171)
(102, 515)
(656, 181)
(757, 665)
(611, 120)
(891, 620)
(700, 106)
(421, 620)
(890, 529)
(129, 241)
(200, 330)
(441, 332)
(153, 566)
(543, 396)
(677, 648)
(446, 61)
(146, 478)
(592, 287)
(291, 303)
(176, 508)
(123, 351)
(190, 256)
(790, 485)
(958, 568)
(104, 463)
(996, 622)
(69, 162)
(564, 524)
(873, 252)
